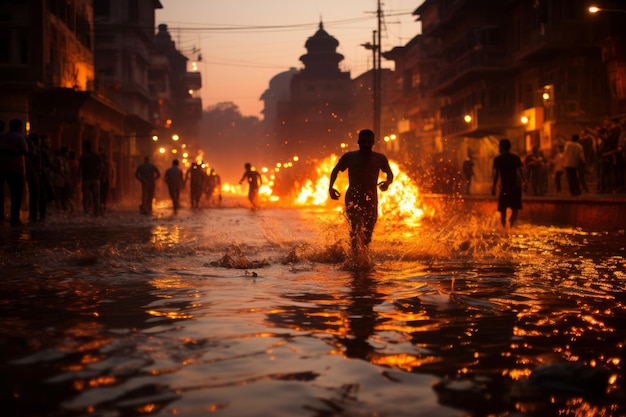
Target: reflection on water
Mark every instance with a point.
(129, 316)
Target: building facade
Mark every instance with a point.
(176, 108)
(312, 123)
(533, 71)
(124, 39)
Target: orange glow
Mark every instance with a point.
(404, 361)
(401, 200)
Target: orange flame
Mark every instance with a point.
(401, 200)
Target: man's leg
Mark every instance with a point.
(513, 217)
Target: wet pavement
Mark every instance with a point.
(256, 313)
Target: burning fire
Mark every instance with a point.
(401, 200)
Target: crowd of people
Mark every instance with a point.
(48, 178)
(201, 183)
(592, 153)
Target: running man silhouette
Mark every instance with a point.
(254, 181)
(361, 198)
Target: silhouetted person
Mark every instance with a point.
(13, 148)
(254, 181)
(508, 171)
(534, 165)
(90, 168)
(175, 181)
(468, 173)
(147, 174)
(35, 177)
(574, 156)
(361, 198)
(214, 185)
(196, 176)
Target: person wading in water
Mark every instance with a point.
(361, 198)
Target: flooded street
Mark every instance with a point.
(257, 313)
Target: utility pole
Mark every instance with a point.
(378, 75)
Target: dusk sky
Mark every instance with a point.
(244, 43)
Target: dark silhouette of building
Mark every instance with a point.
(312, 121)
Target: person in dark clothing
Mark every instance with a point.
(361, 198)
(175, 182)
(147, 173)
(254, 181)
(90, 168)
(214, 187)
(508, 172)
(197, 178)
(468, 173)
(13, 149)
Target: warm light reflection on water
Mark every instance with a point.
(128, 316)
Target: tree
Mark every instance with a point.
(230, 139)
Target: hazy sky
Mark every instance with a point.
(244, 43)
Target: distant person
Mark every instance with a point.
(35, 178)
(147, 174)
(60, 178)
(254, 181)
(13, 150)
(361, 198)
(468, 173)
(559, 168)
(175, 182)
(90, 168)
(508, 171)
(214, 187)
(534, 167)
(574, 157)
(197, 178)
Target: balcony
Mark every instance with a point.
(551, 37)
(481, 60)
(484, 121)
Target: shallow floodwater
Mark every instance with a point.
(236, 312)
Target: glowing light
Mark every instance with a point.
(401, 200)
(467, 118)
(161, 150)
(524, 119)
(155, 138)
(593, 9)
(175, 137)
(296, 158)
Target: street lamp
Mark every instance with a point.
(596, 9)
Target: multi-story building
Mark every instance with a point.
(533, 71)
(124, 38)
(47, 74)
(177, 107)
